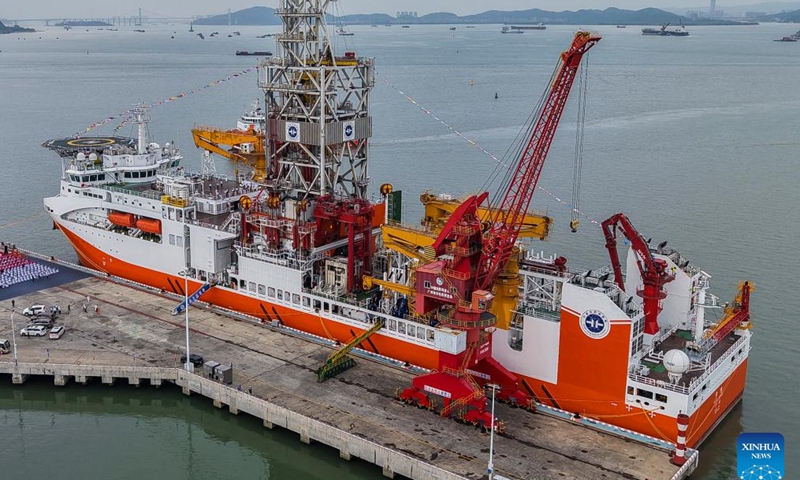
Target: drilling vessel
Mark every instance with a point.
(300, 244)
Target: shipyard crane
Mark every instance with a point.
(653, 270)
(471, 255)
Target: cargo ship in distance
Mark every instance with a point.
(666, 31)
(629, 344)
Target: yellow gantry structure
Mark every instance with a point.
(242, 146)
(416, 243)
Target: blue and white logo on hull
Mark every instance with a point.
(595, 324)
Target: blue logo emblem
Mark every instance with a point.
(595, 324)
(348, 131)
(759, 456)
(293, 131)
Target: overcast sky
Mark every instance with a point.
(16, 9)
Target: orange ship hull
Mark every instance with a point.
(565, 396)
(92, 257)
(701, 423)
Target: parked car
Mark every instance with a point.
(57, 332)
(34, 331)
(195, 359)
(45, 322)
(34, 310)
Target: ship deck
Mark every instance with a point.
(134, 327)
(678, 341)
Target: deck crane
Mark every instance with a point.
(470, 256)
(653, 270)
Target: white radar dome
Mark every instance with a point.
(80, 156)
(676, 361)
(92, 156)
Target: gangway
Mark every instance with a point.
(339, 361)
(192, 298)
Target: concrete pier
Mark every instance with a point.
(135, 340)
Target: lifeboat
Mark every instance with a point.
(149, 225)
(122, 219)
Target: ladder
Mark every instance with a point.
(339, 361)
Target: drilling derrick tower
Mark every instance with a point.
(313, 205)
(317, 104)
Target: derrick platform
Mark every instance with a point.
(134, 338)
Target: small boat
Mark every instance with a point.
(786, 39)
(622, 26)
(257, 54)
(538, 26)
(470, 26)
(343, 32)
(406, 26)
(508, 29)
(191, 27)
(202, 37)
(452, 28)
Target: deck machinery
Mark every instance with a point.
(470, 258)
(313, 202)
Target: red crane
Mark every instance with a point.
(470, 257)
(500, 239)
(653, 270)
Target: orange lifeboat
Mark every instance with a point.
(122, 219)
(149, 225)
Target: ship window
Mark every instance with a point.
(92, 178)
(317, 305)
(280, 294)
(427, 284)
(251, 286)
(430, 335)
(271, 292)
(242, 284)
(296, 299)
(630, 390)
(401, 327)
(393, 325)
(171, 239)
(327, 306)
(101, 177)
(421, 333)
(306, 302)
(412, 330)
(661, 398)
(127, 174)
(644, 393)
(135, 175)
(179, 241)
(262, 289)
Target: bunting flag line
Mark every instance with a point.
(481, 149)
(127, 114)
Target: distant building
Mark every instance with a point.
(712, 10)
(407, 14)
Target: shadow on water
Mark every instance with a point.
(128, 432)
(718, 453)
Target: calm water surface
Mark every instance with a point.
(694, 138)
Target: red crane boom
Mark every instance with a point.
(500, 239)
(653, 270)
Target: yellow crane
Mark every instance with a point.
(240, 146)
(339, 361)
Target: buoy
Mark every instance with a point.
(472, 82)
(495, 95)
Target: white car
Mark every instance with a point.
(57, 332)
(34, 331)
(34, 310)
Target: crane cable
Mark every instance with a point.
(579, 131)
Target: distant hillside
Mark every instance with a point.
(784, 17)
(609, 16)
(14, 29)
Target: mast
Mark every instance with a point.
(317, 105)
